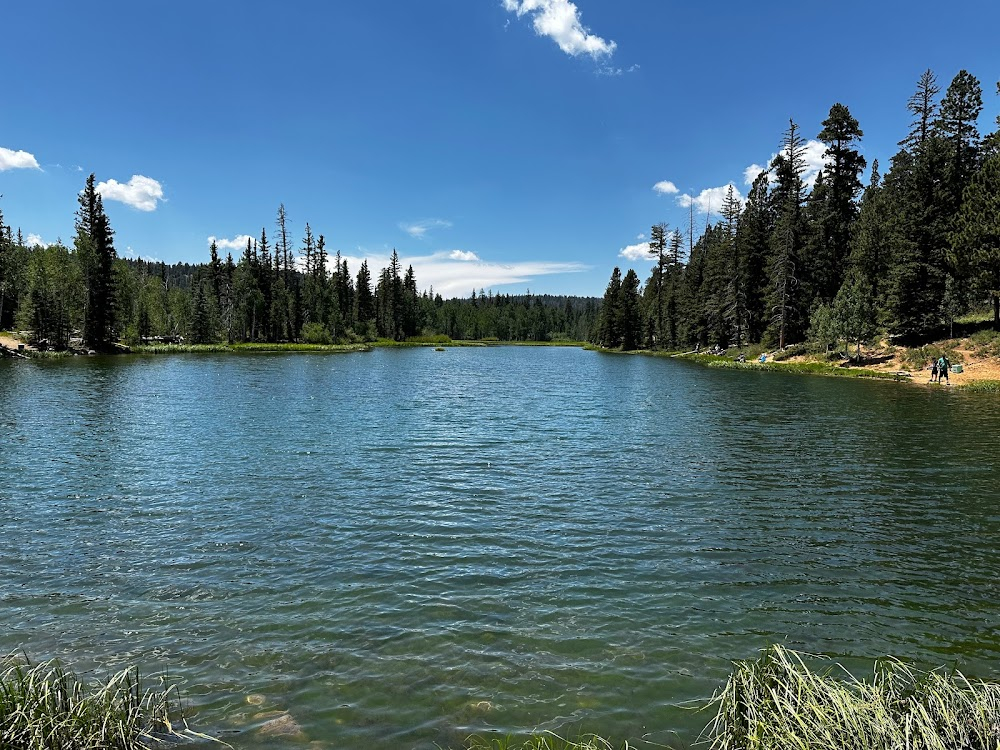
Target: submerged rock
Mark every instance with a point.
(256, 699)
(282, 725)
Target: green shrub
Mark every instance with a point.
(920, 358)
(316, 333)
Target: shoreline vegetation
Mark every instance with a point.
(781, 699)
(977, 357)
(9, 345)
(44, 707)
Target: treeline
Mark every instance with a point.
(902, 257)
(276, 291)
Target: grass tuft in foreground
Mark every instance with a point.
(44, 707)
(777, 702)
(547, 741)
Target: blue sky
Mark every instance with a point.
(505, 144)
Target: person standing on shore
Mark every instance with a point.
(943, 366)
(934, 371)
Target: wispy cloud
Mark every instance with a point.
(813, 154)
(665, 187)
(142, 193)
(237, 243)
(34, 240)
(709, 201)
(612, 71)
(128, 252)
(560, 21)
(418, 229)
(455, 273)
(17, 160)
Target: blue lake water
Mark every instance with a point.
(405, 547)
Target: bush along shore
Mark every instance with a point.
(45, 707)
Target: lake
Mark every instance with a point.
(406, 547)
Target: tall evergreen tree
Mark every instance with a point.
(842, 173)
(95, 248)
(631, 320)
(871, 251)
(658, 249)
(753, 233)
(786, 239)
(735, 293)
(923, 106)
(612, 320)
(976, 240)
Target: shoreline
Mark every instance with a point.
(984, 375)
(8, 346)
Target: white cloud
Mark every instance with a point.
(16, 160)
(751, 173)
(665, 187)
(140, 192)
(419, 229)
(641, 236)
(33, 240)
(237, 243)
(709, 201)
(636, 252)
(813, 156)
(133, 255)
(455, 273)
(560, 21)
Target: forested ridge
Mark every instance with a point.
(277, 290)
(902, 257)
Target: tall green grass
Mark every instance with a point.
(44, 707)
(776, 702)
(981, 386)
(547, 741)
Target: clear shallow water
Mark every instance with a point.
(402, 548)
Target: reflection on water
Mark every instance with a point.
(402, 548)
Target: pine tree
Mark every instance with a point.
(755, 227)
(923, 106)
(956, 123)
(95, 249)
(364, 300)
(735, 294)
(6, 275)
(658, 249)
(842, 173)
(786, 239)
(611, 324)
(631, 319)
(976, 240)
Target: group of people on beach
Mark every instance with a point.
(939, 369)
